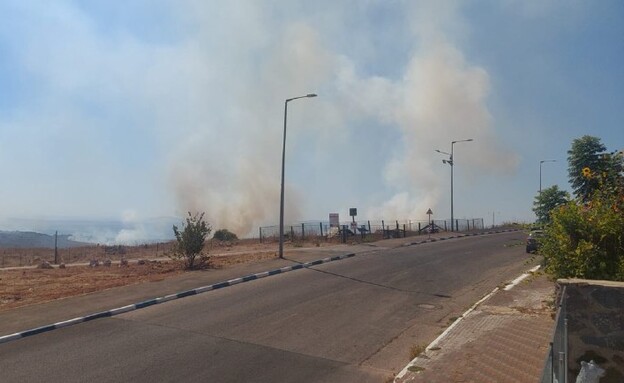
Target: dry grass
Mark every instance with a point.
(416, 350)
(26, 286)
(34, 256)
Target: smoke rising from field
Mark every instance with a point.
(232, 172)
(185, 112)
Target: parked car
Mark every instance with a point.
(532, 242)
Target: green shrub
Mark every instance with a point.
(587, 240)
(190, 241)
(224, 235)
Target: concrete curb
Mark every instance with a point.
(437, 340)
(167, 298)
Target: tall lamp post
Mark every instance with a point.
(281, 238)
(450, 162)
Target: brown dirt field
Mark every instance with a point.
(22, 287)
(26, 286)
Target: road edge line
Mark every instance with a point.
(167, 298)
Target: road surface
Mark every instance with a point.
(347, 321)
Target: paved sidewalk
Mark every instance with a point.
(504, 339)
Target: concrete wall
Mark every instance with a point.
(595, 312)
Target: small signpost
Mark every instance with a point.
(334, 220)
(430, 227)
(353, 214)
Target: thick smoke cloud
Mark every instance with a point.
(207, 101)
(439, 98)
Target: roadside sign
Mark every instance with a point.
(334, 220)
(353, 212)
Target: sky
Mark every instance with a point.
(140, 111)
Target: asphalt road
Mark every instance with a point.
(348, 321)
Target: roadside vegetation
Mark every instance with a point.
(584, 235)
(190, 241)
(224, 235)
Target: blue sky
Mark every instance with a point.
(141, 109)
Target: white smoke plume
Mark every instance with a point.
(199, 99)
(231, 170)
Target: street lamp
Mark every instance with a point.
(450, 162)
(281, 239)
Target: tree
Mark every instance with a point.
(190, 241)
(547, 200)
(585, 238)
(585, 158)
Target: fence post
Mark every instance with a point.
(302, 231)
(260, 234)
(404, 231)
(565, 348)
(369, 229)
(55, 248)
(457, 225)
(383, 229)
(292, 234)
(418, 227)
(445, 228)
(321, 227)
(344, 233)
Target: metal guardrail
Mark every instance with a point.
(556, 365)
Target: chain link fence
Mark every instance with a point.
(381, 229)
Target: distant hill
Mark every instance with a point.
(25, 239)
